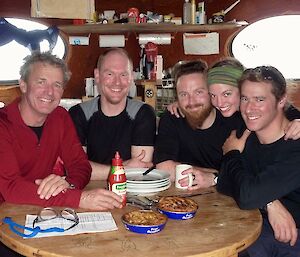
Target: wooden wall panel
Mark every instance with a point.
(9, 93)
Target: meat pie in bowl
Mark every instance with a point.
(179, 208)
(144, 221)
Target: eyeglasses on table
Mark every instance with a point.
(45, 214)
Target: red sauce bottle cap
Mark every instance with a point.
(117, 160)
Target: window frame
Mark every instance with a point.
(63, 36)
(229, 44)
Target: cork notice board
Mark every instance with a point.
(66, 9)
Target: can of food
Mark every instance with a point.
(167, 18)
(133, 13)
(218, 17)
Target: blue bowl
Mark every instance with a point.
(178, 208)
(178, 215)
(144, 229)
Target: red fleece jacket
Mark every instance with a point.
(24, 158)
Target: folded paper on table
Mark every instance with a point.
(89, 222)
(201, 44)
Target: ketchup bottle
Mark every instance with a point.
(117, 178)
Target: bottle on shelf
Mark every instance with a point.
(117, 178)
(193, 11)
(200, 14)
(187, 12)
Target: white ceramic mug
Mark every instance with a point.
(179, 169)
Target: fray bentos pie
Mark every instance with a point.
(177, 204)
(144, 218)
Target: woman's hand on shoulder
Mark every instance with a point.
(292, 130)
(174, 109)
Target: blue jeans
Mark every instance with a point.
(267, 246)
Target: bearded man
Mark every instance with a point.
(198, 137)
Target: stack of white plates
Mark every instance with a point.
(154, 181)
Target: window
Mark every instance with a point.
(12, 53)
(272, 41)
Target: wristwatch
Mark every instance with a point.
(265, 208)
(71, 186)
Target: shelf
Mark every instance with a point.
(146, 27)
(142, 82)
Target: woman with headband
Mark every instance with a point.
(222, 80)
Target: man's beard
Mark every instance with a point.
(196, 118)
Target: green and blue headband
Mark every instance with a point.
(224, 75)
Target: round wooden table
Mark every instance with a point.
(219, 229)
